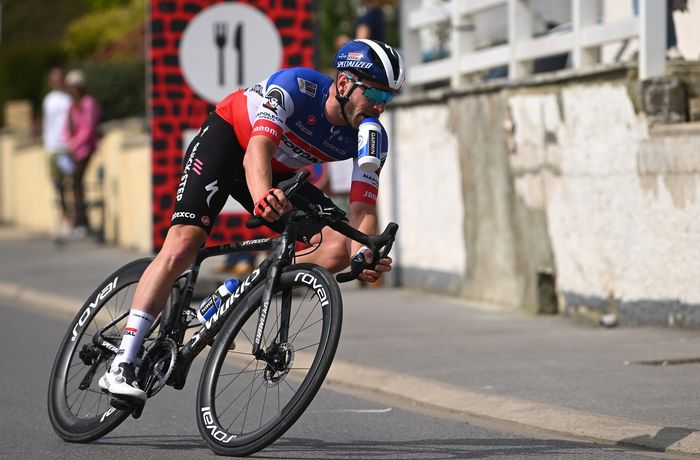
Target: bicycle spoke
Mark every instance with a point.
(250, 398)
(305, 320)
(308, 346)
(234, 379)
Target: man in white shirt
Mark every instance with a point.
(55, 114)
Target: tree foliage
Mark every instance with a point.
(94, 31)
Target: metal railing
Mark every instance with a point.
(582, 40)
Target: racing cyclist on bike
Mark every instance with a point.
(255, 138)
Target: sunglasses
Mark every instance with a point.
(375, 95)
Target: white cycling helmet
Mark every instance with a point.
(372, 60)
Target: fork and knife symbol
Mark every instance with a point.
(220, 40)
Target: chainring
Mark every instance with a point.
(157, 366)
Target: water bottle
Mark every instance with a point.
(212, 303)
(369, 144)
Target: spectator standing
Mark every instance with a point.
(55, 108)
(672, 51)
(82, 136)
(370, 23)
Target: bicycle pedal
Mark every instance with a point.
(133, 406)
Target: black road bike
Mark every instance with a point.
(262, 371)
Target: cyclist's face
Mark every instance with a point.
(365, 101)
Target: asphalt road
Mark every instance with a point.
(336, 426)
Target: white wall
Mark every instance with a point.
(425, 165)
(622, 208)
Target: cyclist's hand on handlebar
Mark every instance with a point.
(372, 275)
(272, 205)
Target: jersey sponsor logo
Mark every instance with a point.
(263, 115)
(303, 128)
(355, 64)
(335, 149)
(185, 214)
(274, 99)
(298, 151)
(307, 87)
(266, 129)
(369, 195)
(257, 89)
(185, 173)
(312, 119)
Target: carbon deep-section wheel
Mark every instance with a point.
(246, 402)
(78, 409)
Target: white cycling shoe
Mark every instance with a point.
(121, 383)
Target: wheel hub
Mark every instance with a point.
(279, 358)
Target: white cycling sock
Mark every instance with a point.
(137, 327)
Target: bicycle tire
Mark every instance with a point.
(216, 388)
(93, 417)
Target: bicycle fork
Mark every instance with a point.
(283, 254)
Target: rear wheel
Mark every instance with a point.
(246, 402)
(78, 409)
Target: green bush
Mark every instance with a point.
(119, 87)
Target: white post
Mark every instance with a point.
(519, 29)
(411, 50)
(652, 38)
(585, 13)
(462, 42)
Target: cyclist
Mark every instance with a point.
(255, 138)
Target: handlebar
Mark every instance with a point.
(380, 245)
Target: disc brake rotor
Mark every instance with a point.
(279, 362)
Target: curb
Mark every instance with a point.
(542, 416)
(448, 398)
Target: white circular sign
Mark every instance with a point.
(226, 47)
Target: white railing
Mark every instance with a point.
(582, 40)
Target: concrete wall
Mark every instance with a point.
(569, 200)
(119, 176)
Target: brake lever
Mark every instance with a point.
(289, 187)
(379, 245)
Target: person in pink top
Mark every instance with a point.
(81, 136)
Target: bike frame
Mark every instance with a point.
(174, 327)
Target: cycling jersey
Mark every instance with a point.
(288, 108)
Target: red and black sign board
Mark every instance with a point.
(201, 50)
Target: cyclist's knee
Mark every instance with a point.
(181, 245)
(334, 256)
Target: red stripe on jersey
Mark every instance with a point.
(234, 109)
(266, 128)
(308, 147)
(364, 192)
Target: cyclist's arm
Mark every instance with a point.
(363, 216)
(258, 174)
(257, 163)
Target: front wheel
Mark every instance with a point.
(246, 402)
